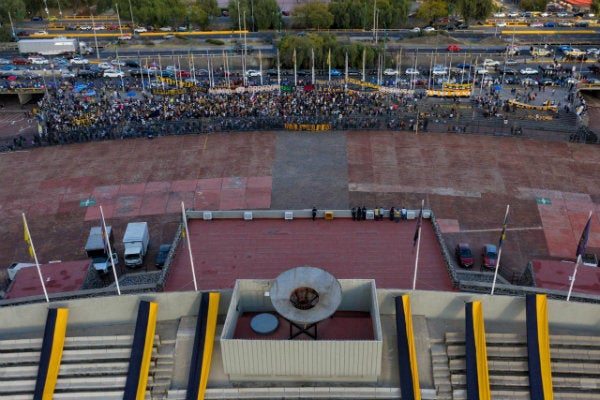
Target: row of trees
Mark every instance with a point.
(322, 45)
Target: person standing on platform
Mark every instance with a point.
(314, 213)
(404, 213)
(392, 212)
(358, 214)
(364, 213)
(353, 213)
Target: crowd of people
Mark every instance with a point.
(109, 110)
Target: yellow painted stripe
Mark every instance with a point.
(58, 343)
(544, 345)
(148, 345)
(411, 347)
(483, 377)
(209, 341)
(545, 32)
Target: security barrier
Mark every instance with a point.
(307, 127)
(449, 93)
(546, 107)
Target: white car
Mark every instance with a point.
(38, 60)
(416, 29)
(104, 65)
(124, 37)
(390, 72)
(529, 71)
(41, 33)
(499, 15)
(140, 29)
(439, 70)
(4, 61)
(118, 63)
(79, 61)
(429, 29)
(562, 14)
(251, 73)
(99, 28)
(85, 27)
(166, 29)
(536, 25)
(513, 14)
(545, 14)
(113, 73)
(412, 71)
(65, 73)
(482, 71)
(489, 63)
(500, 24)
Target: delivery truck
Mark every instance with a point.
(135, 242)
(96, 249)
(53, 47)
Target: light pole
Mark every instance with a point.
(131, 13)
(252, 13)
(59, 9)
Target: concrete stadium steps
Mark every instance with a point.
(92, 367)
(575, 366)
(441, 371)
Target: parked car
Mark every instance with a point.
(4, 61)
(489, 63)
(161, 257)
(165, 29)
(79, 61)
(39, 60)
(416, 29)
(412, 71)
(529, 71)
(140, 29)
(390, 72)
(550, 24)
(252, 73)
(104, 65)
(453, 48)
(489, 256)
(464, 255)
(113, 73)
(20, 61)
(428, 29)
(335, 72)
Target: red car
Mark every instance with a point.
(464, 255)
(453, 48)
(183, 74)
(20, 61)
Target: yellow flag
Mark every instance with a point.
(27, 237)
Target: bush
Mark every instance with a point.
(215, 42)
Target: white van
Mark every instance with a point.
(16, 267)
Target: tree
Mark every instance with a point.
(266, 14)
(431, 10)
(595, 7)
(475, 9)
(210, 7)
(313, 14)
(349, 14)
(198, 16)
(15, 7)
(533, 5)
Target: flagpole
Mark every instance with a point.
(187, 235)
(37, 264)
(414, 285)
(110, 253)
(580, 250)
(500, 250)
(573, 277)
